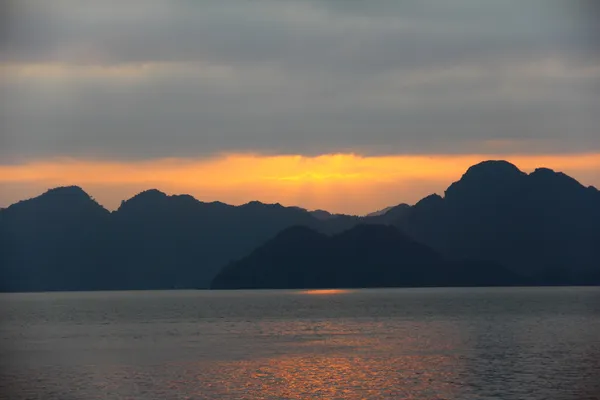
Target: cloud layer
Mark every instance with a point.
(151, 79)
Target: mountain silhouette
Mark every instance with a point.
(322, 214)
(363, 256)
(381, 212)
(53, 242)
(64, 240)
(388, 215)
(544, 224)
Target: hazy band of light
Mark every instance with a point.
(346, 183)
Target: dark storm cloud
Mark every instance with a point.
(146, 79)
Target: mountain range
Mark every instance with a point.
(64, 240)
(543, 226)
(363, 256)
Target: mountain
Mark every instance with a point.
(544, 224)
(178, 240)
(322, 214)
(388, 215)
(53, 242)
(379, 212)
(384, 211)
(363, 256)
(64, 240)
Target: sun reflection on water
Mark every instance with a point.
(336, 362)
(325, 291)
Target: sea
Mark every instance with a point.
(434, 343)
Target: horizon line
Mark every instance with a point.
(341, 183)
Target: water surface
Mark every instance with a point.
(518, 343)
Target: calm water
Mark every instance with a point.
(521, 343)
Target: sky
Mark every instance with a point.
(344, 105)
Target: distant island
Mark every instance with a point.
(363, 256)
(542, 228)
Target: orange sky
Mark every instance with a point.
(346, 183)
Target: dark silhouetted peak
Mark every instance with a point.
(68, 196)
(383, 211)
(399, 211)
(543, 171)
(147, 198)
(431, 200)
(219, 203)
(322, 214)
(255, 204)
(184, 200)
(491, 173)
(257, 209)
(390, 215)
(148, 195)
(184, 197)
(499, 169)
(59, 200)
(298, 208)
(67, 192)
(151, 202)
(557, 180)
(487, 179)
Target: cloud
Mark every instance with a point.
(154, 79)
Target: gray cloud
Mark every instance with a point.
(153, 78)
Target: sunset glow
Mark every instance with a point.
(347, 183)
(325, 292)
